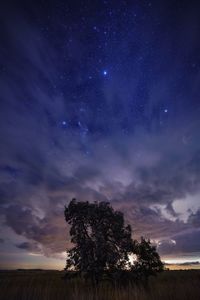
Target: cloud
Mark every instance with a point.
(187, 264)
(29, 246)
(34, 209)
(194, 219)
(184, 242)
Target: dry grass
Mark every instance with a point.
(48, 285)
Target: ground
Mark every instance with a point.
(43, 285)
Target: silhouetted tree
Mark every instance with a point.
(148, 261)
(103, 244)
(102, 241)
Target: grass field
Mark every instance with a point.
(48, 285)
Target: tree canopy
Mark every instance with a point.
(103, 243)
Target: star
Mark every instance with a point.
(165, 110)
(105, 72)
(64, 123)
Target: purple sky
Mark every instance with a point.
(99, 101)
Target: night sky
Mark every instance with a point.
(99, 100)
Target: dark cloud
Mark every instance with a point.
(165, 185)
(185, 264)
(189, 263)
(183, 243)
(47, 234)
(28, 246)
(87, 182)
(194, 219)
(41, 219)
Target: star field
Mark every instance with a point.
(99, 101)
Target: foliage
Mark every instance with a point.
(148, 261)
(102, 241)
(103, 244)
